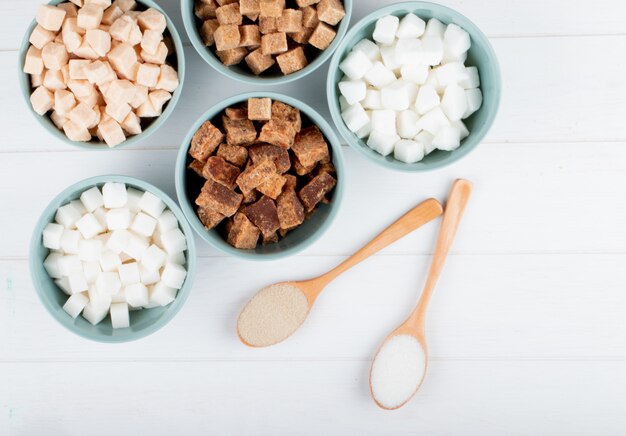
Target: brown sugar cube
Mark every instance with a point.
(290, 209)
(310, 146)
(291, 182)
(232, 56)
(242, 233)
(236, 113)
(227, 37)
(229, 14)
(303, 36)
(258, 62)
(219, 198)
(205, 11)
(235, 154)
(250, 8)
(309, 17)
(316, 189)
(292, 61)
(273, 186)
(264, 215)
(209, 218)
(250, 36)
(239, 132)
(300, 169)
(271, 8)
(224, 2)
(287, 113)
(207, 31)
(255, 175)
(260, 109)
(197, 167)
(305, 3)
(322, 36)
(289, 21)
(274, 43)
(269, 239)
(267, 25)
(278, 155)
(251, 197)
(205, 141)
(325, 167)
(330, 11)
(278, 132)
(220, 171)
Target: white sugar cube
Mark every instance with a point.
(408, 151)
(353, 90)
(148, 277)
(379, 75)
(129, 273)
(434, 82)
(426, 139)
(108, 283)
(151, 204)
(474, 101)
(450, 73)
(120, 297)
(415, 73)
(92, 199)
(89, 226)
(114, 195)
(432, 50)
(384, 121)
(454, 102)
(91, 269)
(462, 128)
(161, 295)
(174, 241)
(154, 258)
(427, 99)
(119, 315)
(167, 221)
(411, 26)
(372, 99)
(52, 236)
(118, 218)
(69, 264)
(67, 216)
(356, 65)
(388, 55)
(178, 258)
(98, 299)
(382, 143)
(136, 247)
(343, 103)
(449, 57)
(364, 131)
(75, 304)
(64, 285)
(408, 51)
(406, 124)
(90, 250)
(386, 28)
(433, 121)
(369, 48)
(101, 215)
(134, 197)
(51, 265)
(470, 79)
(448, 138)
(109, 261)
(77, 282)
(396, 96)
(456, 40)
(355, 117)
(118, 240)
(173, 275)
(69, 241)
(95, 313)
(143, 224)
(434, 27)
(137, 295)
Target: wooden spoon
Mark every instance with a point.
(414, 326)
(277, 311)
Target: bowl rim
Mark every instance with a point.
(63, 318)
(333, 98)
(211, 236)
(210, 58)
(46, 122)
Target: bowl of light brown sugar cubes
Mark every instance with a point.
(260, 176)
(266, 41)
(101, 74)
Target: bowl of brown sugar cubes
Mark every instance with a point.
(260, 176)
(266, 41)
(101, 74)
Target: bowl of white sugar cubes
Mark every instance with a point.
(100, 74)
(414, 86)
(112, 258)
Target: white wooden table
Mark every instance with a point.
(527, 328)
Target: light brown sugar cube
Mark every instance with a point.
(168, 79)
(322, 36)
(120, 91)
(205, 11)
(258, 62)
(37, 79)
(274, 43)
(111, 14)
(292, 61)
(96, 72)
(148, 75)
(223, 2)
(229, 14)
(54, 56)
(70, 9)
(83, 115)
(207, 31)
(303, 36)
(309, 17)
(90, 16)
(126, 5)
(132, 124)
(65, 71)
(117, 110)
(271, 8)
(330, 11)
(76, 132)
(290, 21)
(305, 3)
(102, 3)
(250, 8)
(72, 41)
(155, 58)
(64, 101)
(152, 19)
(85, 51)
(232, 56)
(120, 29)
(260, 109)
(33, 63)
(146, 110)
(53, 80)
(250, 36)
(77, 68)
(40, 36)
(42, 100)
(140, 97)
(111, 132)
(122, 57)
(227, 37)
(150, 40)
(267, 25)
(50, 17)
(158, 98)
(99, 40)
(58, 119)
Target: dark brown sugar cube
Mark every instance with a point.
(279, 155)
(298, 168)
(325, 167)
(316, 189)
(258, 62)
(207, 32)
(260, 109)
(288, 113)
(292, 61)
(232, 56)
(289, 21)
(309, 17)
(274, 43)
(250, 36)
(197, 166)
(290, 210)
(270, 239)
(310, 146)
(303, 36)
(291, 182)
(219, 198)
(205, 11)
(254, 175)
(273, 186)
(330, 11)
(251, 196)
(250, 8)
(229, 14)
(278, 132)
(234, 154)
(239, 132)
(205, 141)
(227, 37)
(242, 233)
(271, 8)
(237, 113)
(220, 171)
(209, 218)
(322, 36)
(304, 3)
(264, 215)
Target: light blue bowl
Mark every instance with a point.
(142, 322)
(188, 187)
(481, 55)
(94, 144)
(240, 72)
